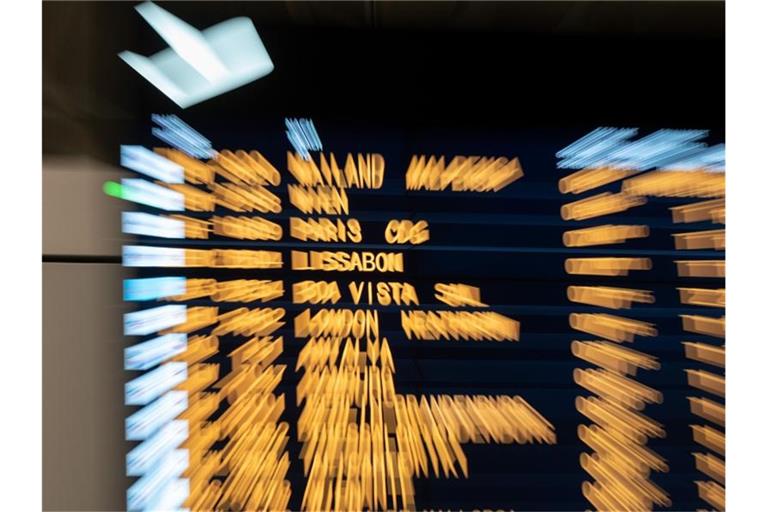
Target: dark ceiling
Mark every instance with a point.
(468, 63)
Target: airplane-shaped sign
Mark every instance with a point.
(200, 64)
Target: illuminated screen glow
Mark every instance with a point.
(346, 276)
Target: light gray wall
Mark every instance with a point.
(83, 413)
(78, 217)
(83, 377)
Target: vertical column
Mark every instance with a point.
(205, 441)
(705, 333)
(620, 462)
(364, 443)
(459, 315)
(346, 392)
(697, 179)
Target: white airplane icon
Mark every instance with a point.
(199, 65)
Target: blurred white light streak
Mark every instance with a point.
(149, 419)
(143, 356)
(146, 492)
(144, 192)
(144, 256)
(138, 223)
(148, 321)
(144, 457)
(147, 387)
(144, 161)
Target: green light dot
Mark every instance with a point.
(113, 189)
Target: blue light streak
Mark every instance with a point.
(152, 288)
(611, 147)
(303, 136)
(183, 137)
